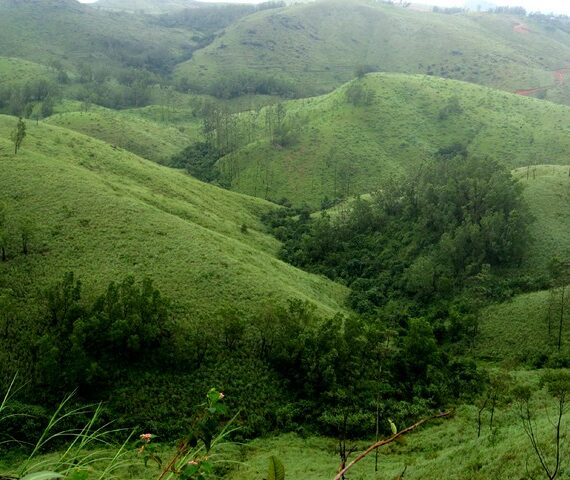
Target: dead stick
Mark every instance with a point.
(387, 441)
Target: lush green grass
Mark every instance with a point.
(346, 149)
(15, 71)
(318, 46)
(147, 138)
(447, 449)
(547, 191)
(517, 330)
(104, 213)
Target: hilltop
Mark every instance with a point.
(147, 6)
(313, 48)
(383, 125)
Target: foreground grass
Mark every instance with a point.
(447, 449)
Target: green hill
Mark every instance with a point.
(70, 32)
(105, 213)
(447, 449)
(146, 138)
(518, 329)
(547, 191)
(343, 149)
(146, 6)
(316, 47)
(15, 71)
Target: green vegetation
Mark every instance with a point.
(318, 52)
(147, 138)
(402, 258)
(342, 149)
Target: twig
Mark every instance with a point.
(386, 442)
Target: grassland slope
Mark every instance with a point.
(147, 138)
(70, 32)
(319, 45)
(104, 213)
(343, 149)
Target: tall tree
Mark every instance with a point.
(18, 134)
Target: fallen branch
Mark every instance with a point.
(386, 442)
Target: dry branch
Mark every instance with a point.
(386, 442)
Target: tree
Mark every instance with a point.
(558, 385)
(26, 233)
(3, 232)
(18, 134)
(560, 273)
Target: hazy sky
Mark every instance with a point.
(546, 6)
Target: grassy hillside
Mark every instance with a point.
(130, 131)
(70, 32)
(318, 46)
(518, 329)
(105, 213)
(344, 149)
(17, 71)
(547, 191)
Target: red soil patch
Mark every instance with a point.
(559, 80)
(521, 28)
(529, 91)
(559, 75)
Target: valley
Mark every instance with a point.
(282, 232)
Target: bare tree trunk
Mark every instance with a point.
(561, 318)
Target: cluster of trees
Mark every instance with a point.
(421, 239)
(34, 99)
(358, 95)
(16, 232)
(449, 10)
(311, 372)
(510, 10)
(226, 131)
(114, 87)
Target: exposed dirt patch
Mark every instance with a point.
(521, 28)
(559, 80)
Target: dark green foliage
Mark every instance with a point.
(422, 238)
(21, 100)
(247, 84)
(199, 160)
(358, 95)
(17, 136)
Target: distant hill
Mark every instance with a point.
(69, 32)
(318, 46)
(104, 213)
(146, 6)
(342, 148)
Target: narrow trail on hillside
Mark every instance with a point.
(559, 81)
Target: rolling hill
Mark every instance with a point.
(69, 32)
(146, 138)
(104, 213)
(343, 149)
(318, 46)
